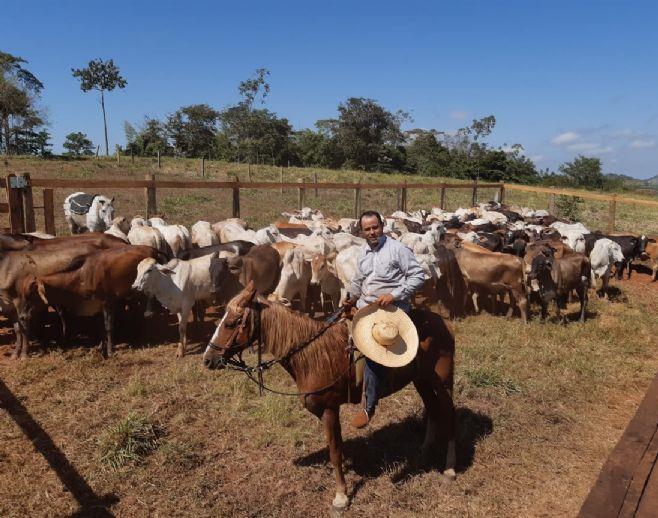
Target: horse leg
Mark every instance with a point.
(447, 423)
(424, 389)
(331, 422)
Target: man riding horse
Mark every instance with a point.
(387, 273)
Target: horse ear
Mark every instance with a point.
(247, 294)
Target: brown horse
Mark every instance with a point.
(316, 357)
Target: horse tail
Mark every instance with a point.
(451, 286)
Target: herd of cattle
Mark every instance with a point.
(471, 257)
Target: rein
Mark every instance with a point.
(240, 365)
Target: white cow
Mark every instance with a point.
(120, 228)
(343, 240)
(423, 243)
(604, 254)
(177, 236)
(179, 284)
(226, 229)
(87, 213)
(346, 263)
(142, 234)
(203, 235)
(295, 278)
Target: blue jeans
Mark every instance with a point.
(374, 374)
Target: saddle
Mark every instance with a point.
(81, 203)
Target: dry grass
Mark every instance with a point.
(540, 407)
(260, 207)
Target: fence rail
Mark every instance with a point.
(20, 207)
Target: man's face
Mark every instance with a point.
(371, 229)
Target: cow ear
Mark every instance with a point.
(166, 271)
(41, 290)
(112, 200)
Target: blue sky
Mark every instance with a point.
(562, 78)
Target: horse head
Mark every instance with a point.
(103, 211)
(237, 329)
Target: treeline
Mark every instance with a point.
(363, 135)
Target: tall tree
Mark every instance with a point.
(103, 76)
(192, 130)
(77, 144)
(584, 172)
(19, 92)
(364, 129)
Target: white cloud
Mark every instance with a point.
(458, 115)
(537, 158)
(642, 143)
(582, 146)
(566, 138)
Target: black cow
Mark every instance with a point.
(490, 241)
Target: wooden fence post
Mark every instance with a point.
(132, 155)
(474, 197)
(49, 211)
(116, 148)
(404, 197)
(281, 181)
(150, 196)
(399, 199)
(551, 204)
(315, 180)
(28, 205)
(15, 201)
(501, 200)
(442, 201)
(236, 198)
(203, 167)
(612, 208)
(301, 194)
(159, 163)
(357, 201)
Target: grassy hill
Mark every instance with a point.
(260, 207)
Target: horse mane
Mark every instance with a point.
(283, 329)
(451, 286)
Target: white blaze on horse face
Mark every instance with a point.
(215, 335)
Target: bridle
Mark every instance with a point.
(234, 360)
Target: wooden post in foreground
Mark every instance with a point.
(612, 208)
(442, 201)
(28, 205)
(301, 194)
(357, 201)
(49, 211)
(551, 203)
(150, 196)
(236, 198)
(15, 206)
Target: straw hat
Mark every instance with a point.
(385, 335)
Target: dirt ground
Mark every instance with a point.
(540, 407)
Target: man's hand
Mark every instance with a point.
(384, 300)
(349, 301)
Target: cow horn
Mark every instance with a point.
(41, 290)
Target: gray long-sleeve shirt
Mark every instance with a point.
(389, 268)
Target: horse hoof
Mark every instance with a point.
(449, 475)
(340, 502)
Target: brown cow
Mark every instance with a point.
(90, 285)
(261, 264)
(556, 278)
(41, 258)
(493, 273)
(651, 252)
